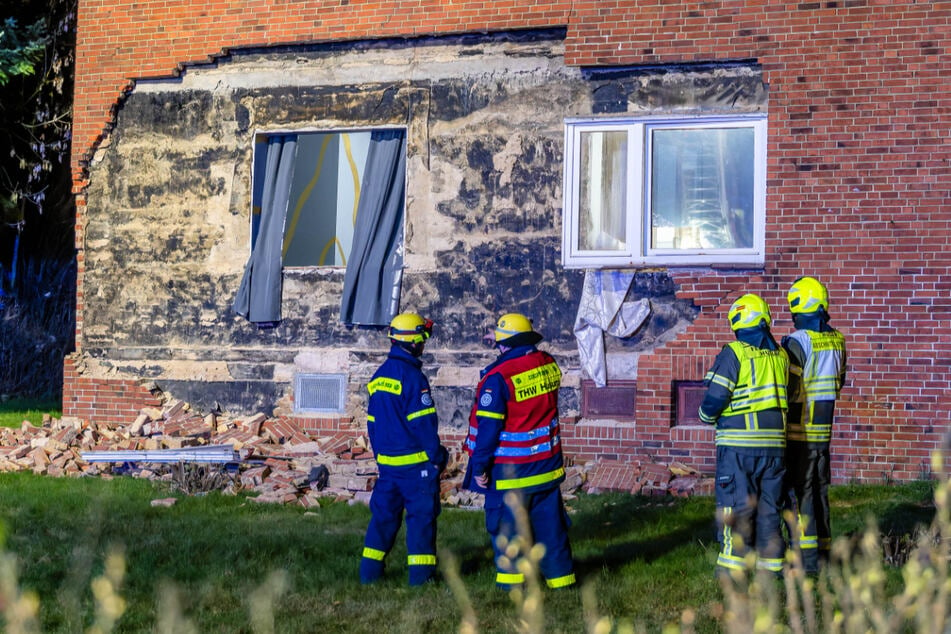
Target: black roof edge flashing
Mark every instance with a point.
(367, 43)
(615, 72)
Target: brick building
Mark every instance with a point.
(554, 156)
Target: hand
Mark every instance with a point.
(483, 480)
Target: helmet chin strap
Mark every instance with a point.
(415, 349)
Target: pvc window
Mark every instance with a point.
(685, 191)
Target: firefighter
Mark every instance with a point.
(515, 455)
(746, 400)
(816, 374)
(402, 425)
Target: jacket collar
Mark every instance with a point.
(817, 321)
(758, 337)
(514, 353)
(400, 354)
(508, 355)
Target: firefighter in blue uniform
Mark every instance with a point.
(746, 400)
(402, 425)
(515, 454)
(816, 374)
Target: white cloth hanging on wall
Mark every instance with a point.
(603, 309)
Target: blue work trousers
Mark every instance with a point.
(749, 493)
(547, 524)
(419, 497)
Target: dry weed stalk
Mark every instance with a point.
(105, 589)
(19, 609)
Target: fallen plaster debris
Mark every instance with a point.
(274, 460)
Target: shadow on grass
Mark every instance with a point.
(476, 558)
(891, 515)
(905, 518)
(606, 528)
(617, 555)
(608, 531)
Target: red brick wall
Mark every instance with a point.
(834, 53)
(858, 176)
(107, 401)
(123, 40)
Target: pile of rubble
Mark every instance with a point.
(270, 457)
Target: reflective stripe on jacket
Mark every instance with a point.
(762, 380)
(401, 417)
(820, 380)
(527, 451)
(760, 386)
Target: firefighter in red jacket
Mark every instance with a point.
(402, 425)
(816, 374)
(746, 400)
(515, 454)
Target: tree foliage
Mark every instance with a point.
(37, 211)
(37, 42)
(20, 48)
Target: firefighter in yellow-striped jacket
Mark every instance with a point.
(402, 425)
(816, 374)
(746, 400)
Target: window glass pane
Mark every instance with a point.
(324, 196)
(702, 189)
(602, 199)
(325, 191)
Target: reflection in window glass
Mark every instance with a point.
(324, 194)
(665, 191)
(702, 188)
(603, 191)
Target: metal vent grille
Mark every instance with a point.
(320, 393)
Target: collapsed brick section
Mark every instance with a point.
(277, 459)
(676, 479)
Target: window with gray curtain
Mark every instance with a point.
(327, 199)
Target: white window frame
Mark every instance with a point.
(639, 252)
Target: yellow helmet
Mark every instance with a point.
(807, 295)
(411, 328)
(511, 324)
(749, 311)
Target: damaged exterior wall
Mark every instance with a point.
(168, 223)
(856, 195)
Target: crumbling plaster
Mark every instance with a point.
(167, 216)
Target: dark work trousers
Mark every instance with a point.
(749, 492)
(808, 473)
(548, 524)
(419, 496)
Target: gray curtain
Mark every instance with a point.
(259, 297)
(371, 287)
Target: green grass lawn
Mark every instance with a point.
(219, 563)
(14, 411)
